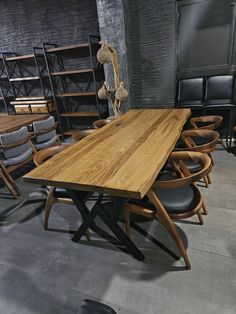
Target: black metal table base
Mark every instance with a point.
(110, 221)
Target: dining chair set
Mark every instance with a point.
(17, 148)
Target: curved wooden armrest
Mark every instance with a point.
(188, 137)
(214, 122)
(184, 177)
(46, 153)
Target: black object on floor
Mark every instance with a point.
(94, 307)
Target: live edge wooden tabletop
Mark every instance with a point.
(9, 123)
(122, 159)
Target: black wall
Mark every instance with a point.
(151, 41)
(28, 23)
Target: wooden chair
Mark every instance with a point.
(199, 140)
(55, 194)
(80, 134)
(45, 134)
(206, 122)
(177, 192)
(16, 150)
(100, 123)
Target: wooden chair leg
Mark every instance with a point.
(10, 184)
(166, 221)
(48, 206)
(206, 181)
(205, 211)
(208, 178)
(127, 220)
(201, 221)
(212, 161)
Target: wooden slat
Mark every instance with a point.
(27, 101)
(31, 98)
(29, 78)
(123, 158)
(9, 123)
(80, 94)
(72, 72)
(80, 114)
(66, 48)
(17, 58)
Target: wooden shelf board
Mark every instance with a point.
(66, 48)
(31, 98)
(29, 78)
(76, 94)
(80, 114)
(16, 58)
(72, 72)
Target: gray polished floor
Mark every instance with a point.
(45, 272)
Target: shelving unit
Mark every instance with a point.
(5, 89)
(75, 77)
(28, 82)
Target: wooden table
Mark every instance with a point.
(9, 123)
(121, 159)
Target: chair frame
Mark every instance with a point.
(187, 137)
(216, 122)
(101, 123)
(186, 178)
(39, 158)
(5, 171)
(35, 134)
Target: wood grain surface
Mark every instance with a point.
(123, 158)
(9, 123)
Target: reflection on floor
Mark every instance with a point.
(45, 272)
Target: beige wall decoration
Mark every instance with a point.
(107, 54)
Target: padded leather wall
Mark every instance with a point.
(220, 87)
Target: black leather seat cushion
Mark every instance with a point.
(93, 307)
(62, 193)
(175, 201)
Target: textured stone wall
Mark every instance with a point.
(152, 51)
(28, 23)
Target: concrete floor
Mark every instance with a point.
(45, 272)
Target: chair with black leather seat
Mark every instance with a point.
(94, 307)
(55, 194)
(177, 191)
(190, 93)
(220, 96)
(200, 140)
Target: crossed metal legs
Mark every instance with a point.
(111, 221)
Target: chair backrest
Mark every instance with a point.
(79, 135)
(184, 177)
(45, 133)
(46, 153)
(209, 140)
(219, 89)
(190, 92)
(206, 122)
(16, 146)
(100, 123)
